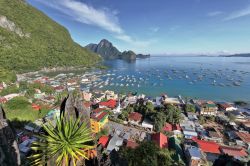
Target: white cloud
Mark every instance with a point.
(84, 13)
(214, 13)
(238, 14)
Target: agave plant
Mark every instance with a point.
(66, 144)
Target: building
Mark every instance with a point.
(135, 118)
(115, 143)
(99, 118)
(232, 151)
(194, 156)
(147, 124)
(160, 139)
(171, 100)
(226, 107)
(210, 149)
(103, 141)
(168, 127)
(111, 95)
(108, 104)
(207, 108)
(245, 138)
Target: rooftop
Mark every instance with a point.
(235, 152)
(160, 139)
(245, 137)
(103, 141)
(135, 116)
(208, 147)
(110, 103)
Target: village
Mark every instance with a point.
(198, 131)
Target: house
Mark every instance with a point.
(207, 108)
(111, 95)
(244, 137)
(117, 110)
(194, 156)
(99, 118)
(168, 127)
(103, 141)
(237, 114)
(135, 118)
(226, 107)
(188, 129)
(171, 100)
(246, 125)
(214, 135)
(232, 151)
(160, 139)
(86, 96)
(59, 88)
(108, 104)
(98, 97)
(36, 107)
(157, 101)
(210, 149)
(115, 143)
(147, 124)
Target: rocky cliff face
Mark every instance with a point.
(108, 51)
(105, 49)
(9, 151)
(10, 26)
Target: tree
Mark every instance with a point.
(173, 114)
(159, 120)
(146, 154)
(190, 108)
(66, 144)
(202, 120)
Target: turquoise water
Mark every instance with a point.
(215, 78)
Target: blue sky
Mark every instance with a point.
(156, 26)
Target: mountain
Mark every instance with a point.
(30, 40)
(237, 55)
(106, 49)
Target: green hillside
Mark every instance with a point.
(35, 41)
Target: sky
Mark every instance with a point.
(159, 27)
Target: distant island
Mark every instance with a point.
(106, 49)
(237, 55)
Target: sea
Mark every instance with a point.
(210, 78)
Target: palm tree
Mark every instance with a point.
(66, 144)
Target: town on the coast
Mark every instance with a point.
(194, 131)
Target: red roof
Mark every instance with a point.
(3, 100)
(160, 139)
(135, 116)
(98, 110)
(176, 127)
(98, 114)
(36, 107)
(235, 152)
(103, 141)
(207, 147)
(245, 137)
(110, 103)
(168, 127)
(132, 144)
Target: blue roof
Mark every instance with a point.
(194, 152)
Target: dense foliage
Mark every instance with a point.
(147, 154)
(190, 108)
(47, 44)
(66, 144)
(7, 75)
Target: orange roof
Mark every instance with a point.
(235, 152)
(103, 141)
(160, 139)
(208, 147)
(135, 116)
(245, 137)
(168, 127)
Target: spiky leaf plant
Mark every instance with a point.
(65, 144)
